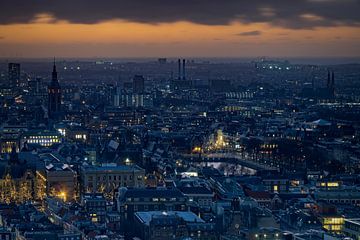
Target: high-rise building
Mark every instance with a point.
(138, 84)
(54, 91)
(14, 75)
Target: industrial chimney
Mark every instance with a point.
(179, 68)
(184, 73)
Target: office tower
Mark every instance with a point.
(138, 84)
(117, 96)
(14, 75)
(54, 91)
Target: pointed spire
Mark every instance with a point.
(54, 72)
(54, 66)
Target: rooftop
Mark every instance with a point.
(146, 217)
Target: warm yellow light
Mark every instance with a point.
(62, 195)
(333, 184)
(197, 149)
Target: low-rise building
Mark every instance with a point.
(108, 177)
(157, 225)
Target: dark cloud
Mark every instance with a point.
(285, 13)
(1, 37)
(250, 33)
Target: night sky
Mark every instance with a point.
(203, 28)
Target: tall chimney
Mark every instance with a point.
(184, 73)
(328, 80)
(179, 68)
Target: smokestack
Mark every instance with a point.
(184, 73)
(328, 80)
(179, 68)
(332, 80)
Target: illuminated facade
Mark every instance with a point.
(329, 185)
(57, 180)
(9, 139)
(329, 217)
(17, 182)
(42, 138)
(16, 190)
(332, 223)
(105, 179)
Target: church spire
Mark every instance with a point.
(54, 72)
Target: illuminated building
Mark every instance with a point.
(57, 180)
(95, 205)
(106, 178)
(42, 138)
(329, 217)
(7, 144)
(14, 75)
(275, 183)
(79, 136)
(329, 185)
(10, 137)
(17, 182)
(332, 223)
(266, 233)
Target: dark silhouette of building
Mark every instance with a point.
(322, 94)
(14, 75)
(179, 69)
(138, 84)
(181, 83)
(54, 91)
(184, 72)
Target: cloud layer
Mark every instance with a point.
(285, 13)
(250, 33)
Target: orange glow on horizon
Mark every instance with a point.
(174, 38)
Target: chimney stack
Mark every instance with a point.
(179, 68)
(184, 73)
